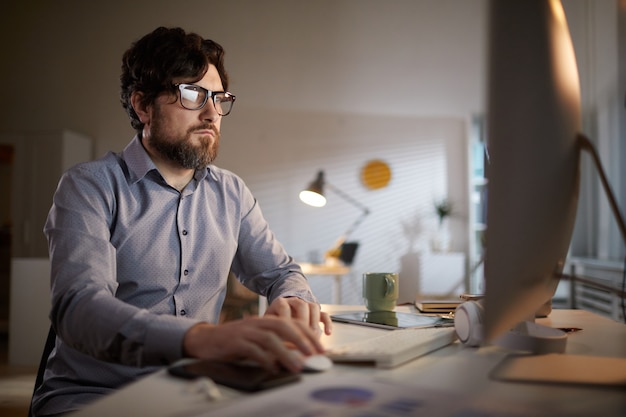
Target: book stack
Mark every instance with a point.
(435, 305)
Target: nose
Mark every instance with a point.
(209, 112)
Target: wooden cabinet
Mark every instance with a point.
(442, 274)
(432, 274)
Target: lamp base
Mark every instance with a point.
(342, 254)
(332, 261)
(348, 251)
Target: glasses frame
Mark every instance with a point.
(208, 93)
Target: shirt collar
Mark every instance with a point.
(139, 162)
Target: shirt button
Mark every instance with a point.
(186, 272)
(184, 233)
(183, 313)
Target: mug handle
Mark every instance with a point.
(389, 286)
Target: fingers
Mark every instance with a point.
(262, 340)
(296, 308)
(295, 334)
(272, 336)
(328, 324)
(279, 307)
(303, 311)
(267, 348)
(317, 316)
(314, 317)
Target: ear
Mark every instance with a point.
(142, 111)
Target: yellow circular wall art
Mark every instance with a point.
(376, 174)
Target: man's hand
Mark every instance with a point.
(298, 309)
(264, 340)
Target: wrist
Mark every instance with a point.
(195, 339)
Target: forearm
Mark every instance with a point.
(94, 322)
(281, 282)
(291, 285)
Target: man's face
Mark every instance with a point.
(187, 138)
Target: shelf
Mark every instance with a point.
(479, 181)
(478, 202)
(479, 227)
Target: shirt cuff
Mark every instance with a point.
(164, 339)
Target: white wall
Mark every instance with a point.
(427, 158)
(320, 84)
(416, 57)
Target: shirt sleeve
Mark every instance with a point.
(261, 262)
(85, 312)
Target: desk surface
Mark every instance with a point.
(454, 371)
(324, 269)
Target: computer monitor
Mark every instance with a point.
(533, 121)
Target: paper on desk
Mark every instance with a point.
(326, 395)
(563, 369)
(329, 395)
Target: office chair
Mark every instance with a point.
(47, 349)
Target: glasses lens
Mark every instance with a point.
(223, 103)
(192, 97)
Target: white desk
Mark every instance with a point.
(335, 271)
(454, 370)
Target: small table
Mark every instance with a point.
(310, 269)
(336, 271)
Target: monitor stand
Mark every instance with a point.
(534, 338)
(538, 339)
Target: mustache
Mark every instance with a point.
(205, 126)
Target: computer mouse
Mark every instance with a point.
(317, 363)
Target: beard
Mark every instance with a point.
(181, 149)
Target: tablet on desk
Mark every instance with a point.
(390, 319)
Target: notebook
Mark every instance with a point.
(434, 305)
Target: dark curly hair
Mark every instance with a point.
(154, 61)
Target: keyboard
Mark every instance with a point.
(394, 347)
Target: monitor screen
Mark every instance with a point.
(533, 118)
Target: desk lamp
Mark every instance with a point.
(313, 195)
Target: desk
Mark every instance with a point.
(309, 269)
(335, 271)
(454, 370)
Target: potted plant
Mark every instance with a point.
(441, 241)
(444, 209)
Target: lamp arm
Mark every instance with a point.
(347, 198)
(585, 144)
(356, 223)
(336, 248)
(352, 227)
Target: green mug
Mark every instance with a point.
(380, 291)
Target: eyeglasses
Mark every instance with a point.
(194, 97)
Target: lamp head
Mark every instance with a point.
(313, 195)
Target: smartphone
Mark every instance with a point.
(242, 377)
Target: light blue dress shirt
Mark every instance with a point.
(136, 263)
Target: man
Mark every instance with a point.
(142, 242)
